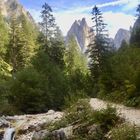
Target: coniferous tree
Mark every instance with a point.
(21, 44)
(58, 35)
(99, 46)
(138, 10)
(76, 67)
(3, 37)
(30, 35)
(48, 23)
(14, 49)
(51, 36)
(135, 34)
(74, 59)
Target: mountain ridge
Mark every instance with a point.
(81, 32)
(9, 8)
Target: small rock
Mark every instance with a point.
(61, 134)
(93, 129)
(1, 134)
(4, 123)
(51, 112)
(41, 135)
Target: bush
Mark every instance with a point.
(106, 117)
(83, 118)
(73, 98)
(125, 132)
(27, 91)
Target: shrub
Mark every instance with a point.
(83, 118)
(125, 132)
(107, 118)
(27, 94)
(73, 98)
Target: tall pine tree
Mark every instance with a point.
(4, 37)
(99, 46)
(47, 24)
(135, 35)
(21, 44)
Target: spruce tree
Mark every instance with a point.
(13, 47)
(4, 38)
(30, 36)
(58, 35)
(99, 47)
(138, 11)
(135, 34)
(74, 59)
(48, 23)
(51, 36)
(20, 44)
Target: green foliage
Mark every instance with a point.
(47, 24)
(82, 117)
(5, 75)
(76, 67)
(4, 37)
(72, 98)
(135, 35)
(5, 69)
(99, 46)
(121, 83)
(57, 82)
(55, 53)
(21, 44)
(74, 59)
(76, 113)
(27, 93)
(106, 117)
(79, 112)
(125, 132)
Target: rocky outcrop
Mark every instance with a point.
(81, 32)
(137, 24)
(26, 125)
(61, 134)
(8, 8)
(121, 35)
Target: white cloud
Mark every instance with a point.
(128, 5)
(114, 3)
(114, 20)
(118, 20)
(131, 5)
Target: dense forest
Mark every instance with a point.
(39, 71)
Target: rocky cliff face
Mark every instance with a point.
(121, 35)
(13, 7)
(136, 24)
(81, 32)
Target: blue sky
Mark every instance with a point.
(117, 13)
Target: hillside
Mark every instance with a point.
(11, 8)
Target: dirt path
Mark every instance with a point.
(131, 115)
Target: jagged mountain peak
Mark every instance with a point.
(83, 22)
(122, 34)
(81, 32)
